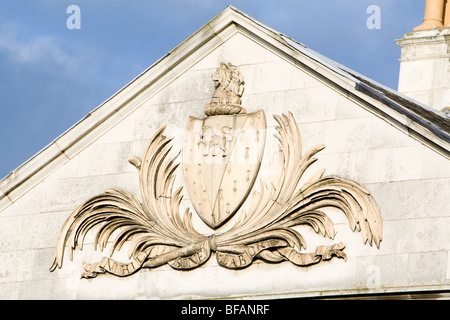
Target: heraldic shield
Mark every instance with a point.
(221, 159)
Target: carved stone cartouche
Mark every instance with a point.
(156, 231)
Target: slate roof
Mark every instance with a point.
(436, 121)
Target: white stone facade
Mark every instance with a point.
(408, 178)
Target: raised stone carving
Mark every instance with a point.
(221, 160)
(226, 99)
(219, 173)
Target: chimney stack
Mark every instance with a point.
(434, 15)
(447, 14)
(425, 57)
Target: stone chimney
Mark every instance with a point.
(425, 58)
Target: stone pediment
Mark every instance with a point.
(385, 156)
(414, 119)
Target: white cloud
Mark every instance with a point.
(40, 51)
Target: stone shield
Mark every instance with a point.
(221, 158)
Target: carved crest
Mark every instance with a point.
(226, 99)
(221, 158)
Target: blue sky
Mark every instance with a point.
(51, 76)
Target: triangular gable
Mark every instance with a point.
(418, 121)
